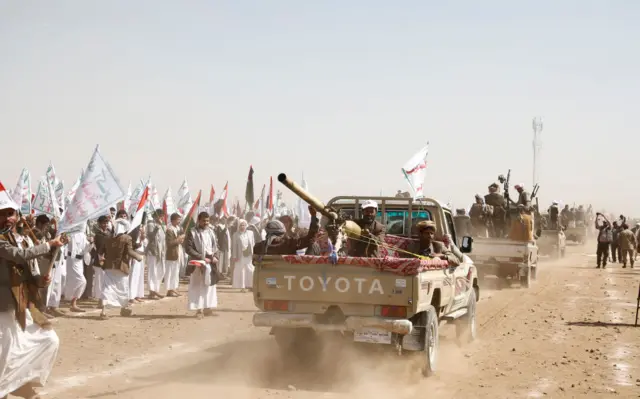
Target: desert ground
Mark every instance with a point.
(570, 335)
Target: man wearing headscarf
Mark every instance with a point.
(202, 248)
(372, 235)
(117, 262)
(242, 244)
(524, 198)
(28, 345)
(223, 238)
(426, 245)
(277, 242)
(499, 211)
(155, 250)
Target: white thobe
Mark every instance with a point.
(115, 289)
(172, 267)
(76, 282)
(98, 277)
(136, 277)
(203, 295)
(25, 356)
(54, 291)
(157, 270)
(243, 267)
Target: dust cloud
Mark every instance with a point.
(343, 367)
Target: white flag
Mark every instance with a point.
(168, 200)
(134, 198)
(126, 203)
(184, 198)
(304, 217)
(22, 193)
(415, 171)
(44, 202)
(99, 189)
(153, 200)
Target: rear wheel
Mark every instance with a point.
(534, 273)
(466, 325)
(431, 340)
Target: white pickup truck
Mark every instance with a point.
(390, 301)
(506, 259)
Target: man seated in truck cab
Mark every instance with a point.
(427, 246)
(278, 242)
(372, 236)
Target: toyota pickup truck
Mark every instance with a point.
(510, 261)
(391, 301)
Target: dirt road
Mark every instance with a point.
(570, 335)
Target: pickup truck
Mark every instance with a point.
(576, 232)
(391, 301)
(506, 259)
(552, 242)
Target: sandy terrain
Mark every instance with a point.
(570, 335)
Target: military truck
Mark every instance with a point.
(396, 303)
(576, 232)
(552, 242)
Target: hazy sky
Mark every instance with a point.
(345, 91)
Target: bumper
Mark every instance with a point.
(352, 323)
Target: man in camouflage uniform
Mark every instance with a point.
(479, 217)
(628, 243)
(499, 205)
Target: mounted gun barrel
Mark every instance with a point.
(350, 228)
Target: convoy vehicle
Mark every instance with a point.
(552, 242)
(394, 302)
(576, 233)
(509, 260)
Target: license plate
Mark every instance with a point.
(372, 336)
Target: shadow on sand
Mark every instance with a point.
(599, 324)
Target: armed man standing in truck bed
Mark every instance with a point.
(372, 236)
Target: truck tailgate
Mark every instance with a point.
(326, 283)
(484, 249)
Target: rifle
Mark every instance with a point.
(505, 183)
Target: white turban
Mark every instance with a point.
(122, 226)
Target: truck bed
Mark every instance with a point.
(366, 281)
(500, 249)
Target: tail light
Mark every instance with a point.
(393, 311)
(281, 306)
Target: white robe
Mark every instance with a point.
(243, 267)
(115, 289)
(76, 282)
(54, 291)
(172, 269)
(98, 277)
(136, 277)
(157, 270)
(25, 356)
(202, 295)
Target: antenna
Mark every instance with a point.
(537, 125)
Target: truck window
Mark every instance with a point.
(398, 220)
(451, 227)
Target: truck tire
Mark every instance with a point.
(466, 325)
(534, 272)
(525, 281)
(431, 341)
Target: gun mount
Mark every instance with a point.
(337, 226)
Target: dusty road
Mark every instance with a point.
(568, 336)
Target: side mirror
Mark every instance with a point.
(467, 243)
